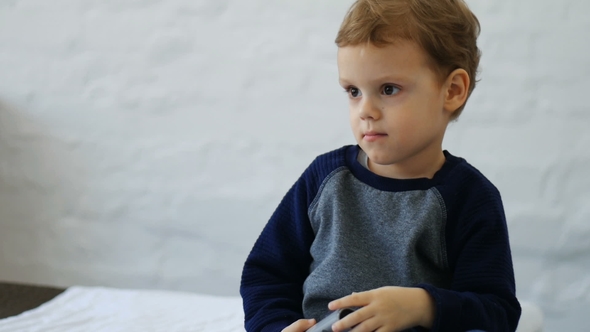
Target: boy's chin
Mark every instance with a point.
(380, 159)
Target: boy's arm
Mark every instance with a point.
(274, 272)
(482, 293)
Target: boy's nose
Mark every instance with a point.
(369, 109)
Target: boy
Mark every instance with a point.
(409, 234)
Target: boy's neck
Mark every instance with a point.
(423, 165)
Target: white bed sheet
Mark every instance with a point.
(116, 310)
(107, 309)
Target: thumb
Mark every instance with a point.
(300, 325)
(307, 323)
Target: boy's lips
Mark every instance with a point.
(372, 136)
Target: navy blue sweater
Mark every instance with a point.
(342, 228)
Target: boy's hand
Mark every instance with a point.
(300, 325)
(386, 309)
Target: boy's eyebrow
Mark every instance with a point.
(387, 78)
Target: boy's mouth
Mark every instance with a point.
(372, 136)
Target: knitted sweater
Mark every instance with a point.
(342, 229)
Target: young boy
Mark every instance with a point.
(409, 234)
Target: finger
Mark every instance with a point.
(352, 300)
(383, 329)
(305, 324)
(300, 325)
(368, 325)
(352, 319)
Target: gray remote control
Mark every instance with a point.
(325, 325)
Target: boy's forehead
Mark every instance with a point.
(400, 59)
(399, 51)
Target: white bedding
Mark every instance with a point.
(107, 309)
(117, 310)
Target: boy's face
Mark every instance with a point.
(397, 111)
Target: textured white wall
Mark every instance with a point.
(144, 143)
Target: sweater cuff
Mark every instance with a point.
(448, 309)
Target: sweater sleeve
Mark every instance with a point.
(482, 292)
(274, 272)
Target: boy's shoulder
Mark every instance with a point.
(465, 173)
(331, 160)
(325, 164)
(338, 154)
(465, 180)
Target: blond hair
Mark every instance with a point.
(446, 29)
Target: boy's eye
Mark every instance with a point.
(390, 90)
(353, 92)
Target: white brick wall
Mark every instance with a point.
(144, 143)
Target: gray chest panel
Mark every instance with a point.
(367, 238)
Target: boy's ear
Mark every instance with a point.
(457, 89)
